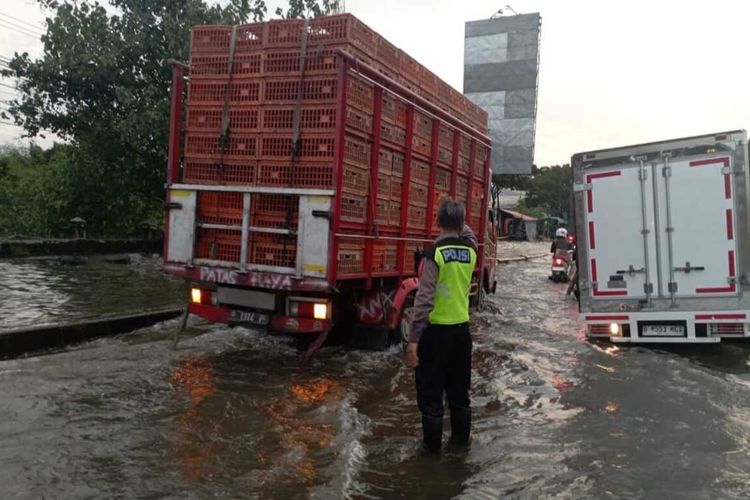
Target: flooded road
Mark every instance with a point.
(228, 415)
(46, 290)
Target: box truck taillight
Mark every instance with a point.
(200, 296)
(309, 308)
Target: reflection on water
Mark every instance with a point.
(193, 447)
(47, 291)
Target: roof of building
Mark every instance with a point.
(518, 215)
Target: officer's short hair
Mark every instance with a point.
(451, 214)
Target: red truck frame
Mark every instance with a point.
(366, 301)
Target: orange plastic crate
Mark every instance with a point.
(385, 161)
(353, 208)
(203, 145)
(384, 256)
(237, 92)
(273, 210)
(383, 212)
(311, 147)
(304, 174)
(217, 65)
(357, 151)
(462, 187)
(213, 171)
(422, 125)
(395, 215)
(392, 133)
(358, 119)
(384, 185)
(416, 217)
(312, 118)
(417, 195)
(396, 188)
(394, 111)
(443, 179)
(421, 145)
(279, 62)
(351, 256)
(445, 136)
(312, 90)
(409, 67)
(398, 164)
(420, 172)
(356, 180)
(218, 244)
(273, 250)
(359, 94)
(208, 119)
(218, 38)
(220, 208)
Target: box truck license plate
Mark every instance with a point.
(663, 331)
(254, 318)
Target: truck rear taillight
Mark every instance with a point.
(306, 308)
(199, 296)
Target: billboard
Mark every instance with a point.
(501, 68)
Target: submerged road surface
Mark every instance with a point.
(228, 415)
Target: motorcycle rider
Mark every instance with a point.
(561, 243)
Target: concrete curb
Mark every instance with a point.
(20, 341)
(38, 248)
(522, 258)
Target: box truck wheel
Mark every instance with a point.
(404, 321)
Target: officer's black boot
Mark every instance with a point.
(432, 434)
(460, 427)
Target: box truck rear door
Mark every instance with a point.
(696, 193)
(619, 201)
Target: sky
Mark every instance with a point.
(612, 73)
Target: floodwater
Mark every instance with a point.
(37, 291)
(229, 415)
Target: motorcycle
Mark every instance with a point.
(561, 261)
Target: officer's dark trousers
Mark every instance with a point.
(444, 370)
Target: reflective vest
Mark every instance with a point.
(455, 259)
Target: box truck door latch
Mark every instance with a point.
(632, 271)
(172, 205)
(688, 268)
(322, 213)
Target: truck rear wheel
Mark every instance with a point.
(404, 322)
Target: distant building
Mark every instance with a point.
(517, 226)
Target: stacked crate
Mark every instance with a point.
(253, 79)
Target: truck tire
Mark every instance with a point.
(401, 335)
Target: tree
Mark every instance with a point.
(551, 190)
(309, 8)
(33, 191)
(102, 84)
(502, 182)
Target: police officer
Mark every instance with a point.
(439, 343)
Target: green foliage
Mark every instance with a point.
(309, 8)
(32, 196)
(102, 84)
(550, 190)
(524, 207)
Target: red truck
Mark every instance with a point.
(305, 177)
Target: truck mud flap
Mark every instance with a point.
(370, 337)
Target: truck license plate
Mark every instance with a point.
(254, 318)
(663, 331)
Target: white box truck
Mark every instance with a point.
(663, 240)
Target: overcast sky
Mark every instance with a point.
(612, 73)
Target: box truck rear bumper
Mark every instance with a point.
(667, 327)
